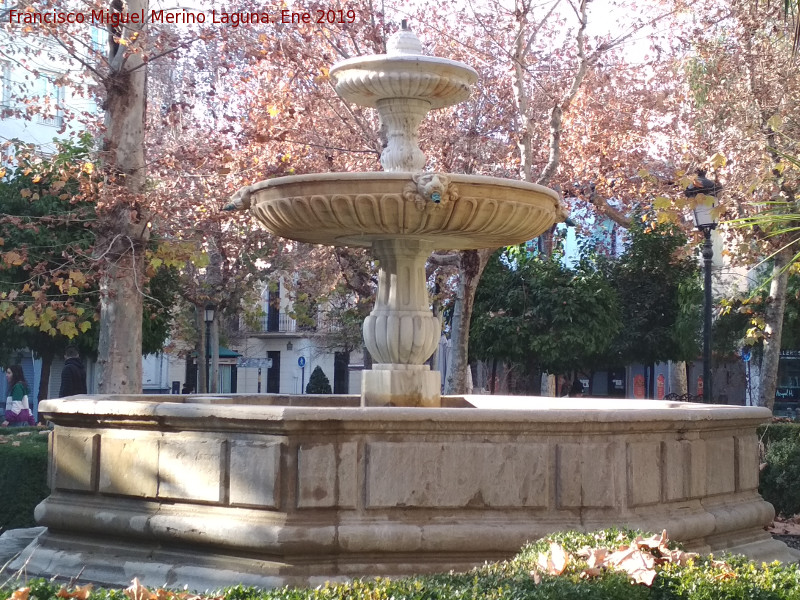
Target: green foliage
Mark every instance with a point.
(47, 292)
(163, 290)
(318, 382)
(23, 471)
(536, 310)
(48, 289)
(641, 307)
(659, 294)
(742, 320)
(780, 480)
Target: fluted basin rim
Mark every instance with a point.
(356, 209)
(404, 176)
(383, 65)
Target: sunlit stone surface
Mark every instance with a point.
(274, 490)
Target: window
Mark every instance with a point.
(5, 86)
(788, 388)
(99, 40)
(51, 96)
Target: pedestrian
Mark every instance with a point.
(576, 389)
(18, 410)
(73, 375)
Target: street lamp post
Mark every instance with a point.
(209, 318)
(705, 221)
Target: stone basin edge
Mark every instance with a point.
(402, 177)
(549, 410)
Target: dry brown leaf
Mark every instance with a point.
(788, 527)
(136, 591)
(554, 562)
(21, 594)
(637, 564)
(591, 572)
(560, 559)
(680, 557)
(656, 542)
(597, 557)
(80, 593)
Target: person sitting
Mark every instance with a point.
(576, 390)
(18, 411)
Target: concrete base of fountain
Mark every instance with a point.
(401, 385)
(275, 490)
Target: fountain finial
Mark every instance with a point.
(403, 85)
(403, 41)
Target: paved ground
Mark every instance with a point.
(14, 541)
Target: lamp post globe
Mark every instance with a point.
(705, 220)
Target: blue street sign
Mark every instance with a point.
(301, 362)
(746, 354)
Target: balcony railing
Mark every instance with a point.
(277, 322)
(282, 322)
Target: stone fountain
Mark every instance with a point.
(272, 490)
(403, 213)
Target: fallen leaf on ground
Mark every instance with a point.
(136, 591)
(554, 562)
(21, 594)
(781, 527)
(79, 593)
(637, 564)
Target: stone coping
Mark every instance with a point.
(485, 409)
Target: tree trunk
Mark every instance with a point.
(773, 318)
(123, 227)
(472, 264)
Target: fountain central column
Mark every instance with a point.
(400, 332)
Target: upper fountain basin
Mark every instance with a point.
(457, 212)
(365, 80)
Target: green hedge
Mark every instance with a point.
(780, 479)
(703, 578)
(23, 473)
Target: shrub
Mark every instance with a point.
(23, 471)
(318, 382)
(780, 479)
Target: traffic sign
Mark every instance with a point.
(301, 362)
(245, 362)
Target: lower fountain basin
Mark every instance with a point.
(354, 209)
(274, 490)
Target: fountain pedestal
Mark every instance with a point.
(400, 332)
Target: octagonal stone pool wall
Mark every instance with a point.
(274, 490)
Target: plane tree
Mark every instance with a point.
(49, 292)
